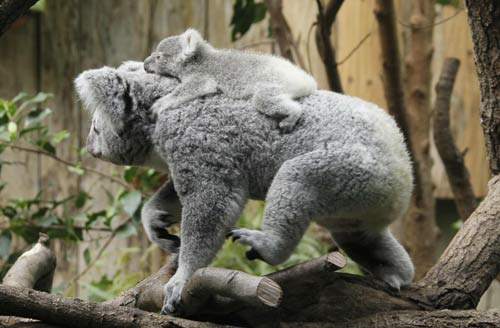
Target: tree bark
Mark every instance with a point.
(453, 161)
(280, 28)
(470, 262)
(10, 10)
(325, 19)
(75, 313)
(420, 233)
(33, 269)
(420, 319)
(484, 22)
(391, 64)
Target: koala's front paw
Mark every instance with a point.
(160, 105)
(172, 302)
(253, 238)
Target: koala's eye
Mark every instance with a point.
(158, 56)
(96, 131)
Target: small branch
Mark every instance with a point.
(34, 269)
(360, 43)
(10, 10)
(280, 28)
(453, 161)
(236, 285)
(94, 260)
(444, 20)
(325, 19)
(68, 163)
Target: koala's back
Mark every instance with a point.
(240, 72)
(221, 136)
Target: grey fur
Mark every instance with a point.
(273, 82)
(345, 166)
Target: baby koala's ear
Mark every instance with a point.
(190, 41)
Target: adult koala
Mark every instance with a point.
(344, 166)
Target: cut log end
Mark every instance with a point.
(335, 261)
(269, 292)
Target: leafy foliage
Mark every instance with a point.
(245, 13)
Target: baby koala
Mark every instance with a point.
(272, 82)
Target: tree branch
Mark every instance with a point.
(453, 161)
(75, 313)
(34, 269)
(325, 19)
(10, 10)
(280, 28)
(470, 262)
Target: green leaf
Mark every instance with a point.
(5, 239)
(48, 220)
(86, 256)
(12, 128)
(126, 230)
(38, 99)
(131, 201)
(60, 136)
(81, 199)
(77, 170)
(20, 96)
(46, 146)
(129, 173)
(245, 13)
(36, 116)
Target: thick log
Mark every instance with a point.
(420, 319)
(75, 313)
(453, 161)
(470, 262)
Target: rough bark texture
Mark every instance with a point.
(75, 313)
(325, 19)
(420, 228)
(484, 22)
(34, 269)
(280, 28)
(453, 161)
(10, 10)
(420, 319)
(148, 294)
(470, 262)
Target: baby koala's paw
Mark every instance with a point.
(172, 303)
(161, 105)
(288, 123)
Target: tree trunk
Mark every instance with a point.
(420, 233)
(484, 22)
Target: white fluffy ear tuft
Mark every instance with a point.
(190, 40)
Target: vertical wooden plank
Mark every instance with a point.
(18, 70)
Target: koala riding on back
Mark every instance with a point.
(272, 82)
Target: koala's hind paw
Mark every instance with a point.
(254, 238)
(172, 302)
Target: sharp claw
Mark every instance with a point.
(164, 310)
(252, 254)
(235, 238)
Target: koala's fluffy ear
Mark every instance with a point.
(105, 88)
(190, 41)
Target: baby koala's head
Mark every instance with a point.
(173, 52)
